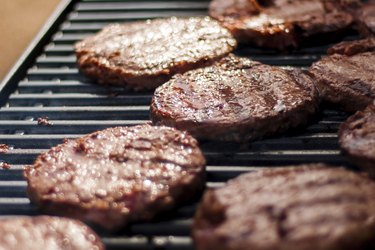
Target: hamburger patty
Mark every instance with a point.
(235, 99)
(309, 207)
(357, 139)
(347, 81)
(118, 175)
(366, 19)
(143, 55)
(45, 232)
(350, 48)
(281, 24)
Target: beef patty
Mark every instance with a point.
(310, 207)
(366, 19)
(357, 139)
(281, 24)
(236, 99)
(347, 81)
(45, 232)
(143, 55)
(350, 48)
(118, 175)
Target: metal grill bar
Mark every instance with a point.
(49, 84)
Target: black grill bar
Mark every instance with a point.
(132, 6)
(48, 84)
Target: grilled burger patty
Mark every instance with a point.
(366, 19)
(357, 139)
(236, 99)
(143, 55)
(281, 24)
(118, 175)
(350, 48)
(347, 80)
(46, 232)
(310, 207)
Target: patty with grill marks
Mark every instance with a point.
(366, 19)
(118, 175)
(235, 99)
(308, 207)
(357, 139)
(347, 77)
(143, 55)
(46, 232)
(283, 24)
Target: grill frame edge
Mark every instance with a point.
(33, 50)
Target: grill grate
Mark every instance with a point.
(51, 86)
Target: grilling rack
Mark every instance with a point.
(46, 83)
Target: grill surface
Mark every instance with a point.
(53, 87)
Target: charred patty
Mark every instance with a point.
(143, 55)
(347, 80)
(282, 24)
(357, 139)
(118, 175)
(310, 207)
(236, 99)
(46, 232)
